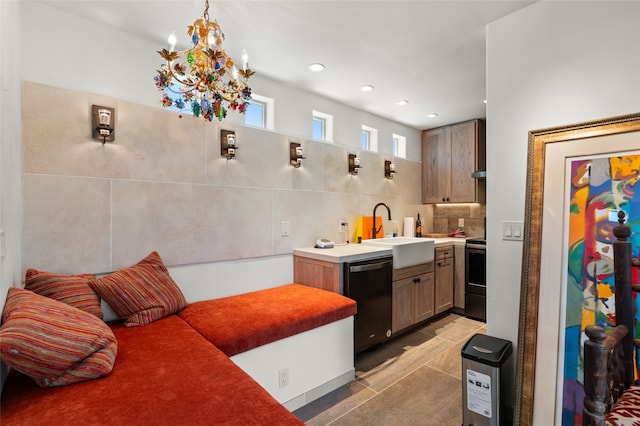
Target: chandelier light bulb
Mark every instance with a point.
(245, 59)
(172, 41)
(211, 40)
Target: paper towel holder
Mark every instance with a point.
(409, 227)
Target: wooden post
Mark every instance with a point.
(624, 303)
(596, 386)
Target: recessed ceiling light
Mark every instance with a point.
(432, 115)
(484, 102)
(402, 102)
(317, 67)
(367, 88)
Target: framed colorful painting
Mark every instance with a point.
(578, 177)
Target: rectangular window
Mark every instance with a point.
(366, 138)
(260, 112)
(255, 114)
(318, 128)
(399, 146)
(372, 138)
(322, 126)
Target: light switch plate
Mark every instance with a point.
(512, 231)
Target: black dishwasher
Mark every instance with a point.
(368, 282)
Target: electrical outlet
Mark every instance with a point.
(342, 225)
(285, 229)
(461, 222)
(283, 378)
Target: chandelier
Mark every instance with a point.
(203, 78)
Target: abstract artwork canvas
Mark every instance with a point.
(597, 188)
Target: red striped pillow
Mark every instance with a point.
(142, 293)
(53, 343)
(70, 289)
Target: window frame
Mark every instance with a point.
(268, 111)
(327, 120)
(373, 138)
(398, 146)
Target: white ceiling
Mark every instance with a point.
(431, 53)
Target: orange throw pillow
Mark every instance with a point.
(73, 290)
(142, 293)
(53, 343)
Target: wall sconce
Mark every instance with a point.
(389, 169)
(295, 154)
(228, 144)
(102, 123)
(354, 164)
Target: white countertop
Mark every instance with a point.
(357, 252)
(343, 253)
(448, 241)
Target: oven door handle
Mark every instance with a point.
(477, 246)
(476, 285)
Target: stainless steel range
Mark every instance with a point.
(475, 284)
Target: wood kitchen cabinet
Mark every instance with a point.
(449, 155)
(444, 274)
(413, 296)
(458, 278)
(318, 273)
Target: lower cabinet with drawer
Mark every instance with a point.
(413, 296)
(443, 279)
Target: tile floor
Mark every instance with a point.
(415, 379)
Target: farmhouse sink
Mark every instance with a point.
(407, 251)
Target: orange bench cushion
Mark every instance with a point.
(239, 323)
(165, 373)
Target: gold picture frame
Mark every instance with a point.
(549, 148)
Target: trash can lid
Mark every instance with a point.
(487, 350)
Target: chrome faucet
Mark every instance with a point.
(375, 230)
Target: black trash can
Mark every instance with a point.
(484, 383)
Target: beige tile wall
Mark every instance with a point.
(162, 185)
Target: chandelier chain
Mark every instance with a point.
(206, 10)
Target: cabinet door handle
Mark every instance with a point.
(416, 280)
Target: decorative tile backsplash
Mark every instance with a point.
(445, 218)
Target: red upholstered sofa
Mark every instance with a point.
(175, 370)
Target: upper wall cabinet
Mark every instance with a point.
(449, 155)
